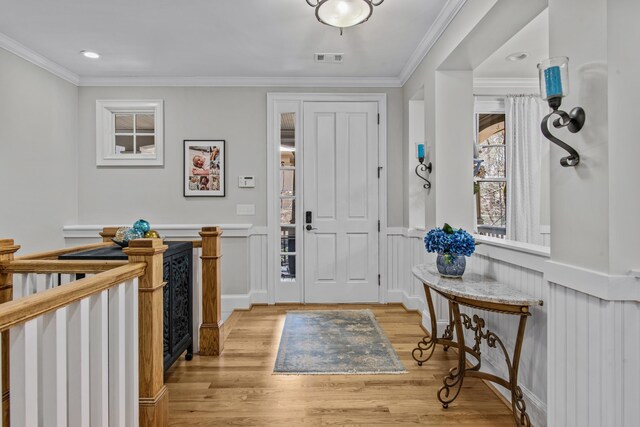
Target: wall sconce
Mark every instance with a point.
(422, 167)
(554, 85)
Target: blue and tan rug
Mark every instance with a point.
(335, 342)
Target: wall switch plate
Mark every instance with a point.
(245, 209)
(246, 182)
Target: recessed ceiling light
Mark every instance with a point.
(89, 54)
(518, 56)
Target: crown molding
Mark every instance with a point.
(448, 12)
(244, 81)
(27, 54)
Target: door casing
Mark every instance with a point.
(294, 102)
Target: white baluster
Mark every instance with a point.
(49, 280)
(20, 285)
(99, 358)
(131, 354)
(54, 368)
(24, 374)
(117, 354)
(78, 363)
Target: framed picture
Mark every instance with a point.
(204, 168)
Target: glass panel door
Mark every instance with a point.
(288, 198)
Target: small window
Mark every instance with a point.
(490, 175)
(129, 133)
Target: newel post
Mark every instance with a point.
(7, 249)
(154, 397)
(108, 233)
(211, 330)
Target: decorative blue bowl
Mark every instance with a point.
(451, 265)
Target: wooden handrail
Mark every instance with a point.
(58, 266)
(56, 253)
(24, 309)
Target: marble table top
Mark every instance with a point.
(473, 286)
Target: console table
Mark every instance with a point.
(475, 291)
(177, 294)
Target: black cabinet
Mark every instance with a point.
(178, 307)
(178, 294)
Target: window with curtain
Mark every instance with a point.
(490, 175)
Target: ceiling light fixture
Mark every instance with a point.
(89, 54)
(518, 56)
(343, 13)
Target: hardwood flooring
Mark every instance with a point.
(238, 388)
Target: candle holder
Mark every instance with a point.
(425, 169)
(554, 85)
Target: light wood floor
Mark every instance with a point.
(238, 388)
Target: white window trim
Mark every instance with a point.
(105, 132)
(484, 104)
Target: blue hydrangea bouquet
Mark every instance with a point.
(452, 246)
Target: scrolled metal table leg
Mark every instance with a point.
(428, 343)
(518, 405)
(456, 374)
(448, 331)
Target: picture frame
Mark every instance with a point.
(204, 168)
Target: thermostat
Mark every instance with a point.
(246, 182)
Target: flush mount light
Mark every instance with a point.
(518, 56)
(89, 54)
(343, 13)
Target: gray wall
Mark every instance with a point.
(38, 154)
(238, 115)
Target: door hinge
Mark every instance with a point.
(379, 171)
(378, 118)
(378, 280)
(378, 226)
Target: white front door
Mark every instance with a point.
(340, 202)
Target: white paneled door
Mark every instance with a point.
(340, 199)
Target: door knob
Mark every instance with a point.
(309, 227)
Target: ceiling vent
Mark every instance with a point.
(329, 58)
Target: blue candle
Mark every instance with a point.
(553, 81)
(421, 151)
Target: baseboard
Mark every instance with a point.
(414, 303)
(258, 297)
(234, 302)
(395, 295)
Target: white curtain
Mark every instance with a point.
(524, 147)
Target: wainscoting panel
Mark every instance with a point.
(594, 380)
(258, 267)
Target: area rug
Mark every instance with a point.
(335, 342)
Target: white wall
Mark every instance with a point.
(38, 154)
(453, 148)
(238, 115)
(624, 151)
(580, 196)
(415, 184)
